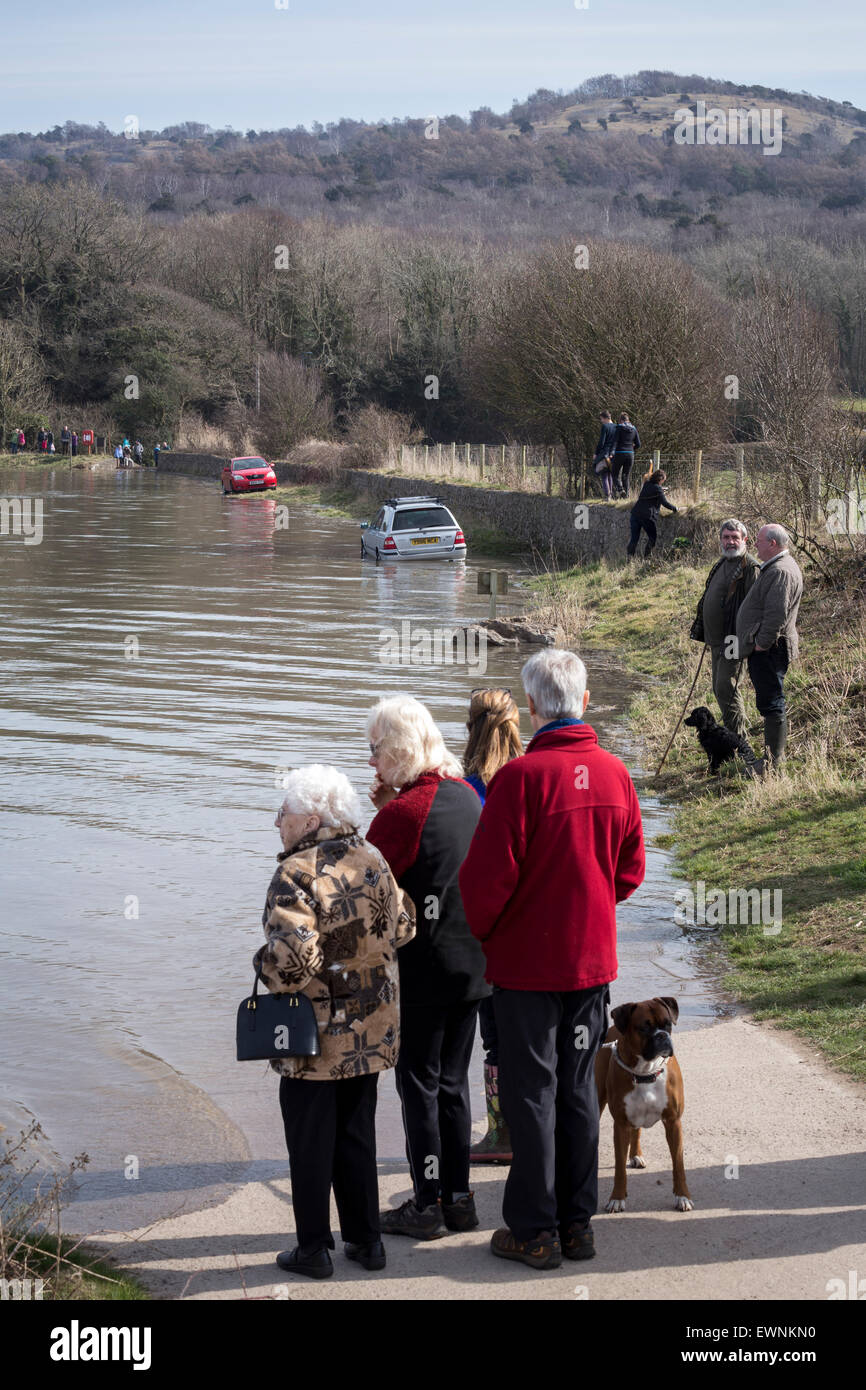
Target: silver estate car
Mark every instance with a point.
(413, 528)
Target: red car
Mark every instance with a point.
(250, 474)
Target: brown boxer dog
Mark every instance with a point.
(638, 1076)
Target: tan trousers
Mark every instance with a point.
(727, 688)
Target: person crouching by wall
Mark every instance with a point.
(334, 918)
(494, 739)
(645, 512)
(424, 829)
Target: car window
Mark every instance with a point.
(377, 524)
(241, 465)
(414, 517)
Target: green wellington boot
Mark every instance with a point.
(495, 1147)
(775, 737)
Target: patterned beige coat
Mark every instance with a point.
(334, 917)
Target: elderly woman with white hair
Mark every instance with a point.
(427, 817)
(334, 918)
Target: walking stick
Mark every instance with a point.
(682, 713)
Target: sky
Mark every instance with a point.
(254, 64)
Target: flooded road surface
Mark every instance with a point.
(166, 655)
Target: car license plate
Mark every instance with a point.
(426, 540)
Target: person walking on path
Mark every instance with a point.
(494, 739)
(118, 456)
(74, 442)
(334, 919)
(645, 512)
(603, 454)
(423, 830)
(65, 439)
(13, 442)
(625, 441)
(22, 441)
(559, 844)
(138, 452)
(767, 634)
(715, 624)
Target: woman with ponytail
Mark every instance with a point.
(494, 739)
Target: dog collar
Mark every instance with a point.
(643, 1078)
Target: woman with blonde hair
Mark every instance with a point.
(426, 819)
(494, 739)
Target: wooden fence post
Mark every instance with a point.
(550, 473)
(453, 459)
(439, 459)
(583, 479)
(741, 468)
(468, 458)
(657, 459)
(523, 467)
(402, 458)
(481, 464)
(503, 462)
(426, 459)
(696, 492)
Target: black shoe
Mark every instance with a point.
(317, 1265)
(422, 1223)
(368, 1256)
(461, 1215)
(578, 1242)
(542, 1252)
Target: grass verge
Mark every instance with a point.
(802, 836)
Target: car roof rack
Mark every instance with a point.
(398, 501)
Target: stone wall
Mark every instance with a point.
(529, 519)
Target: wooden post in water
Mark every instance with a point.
(696, 492)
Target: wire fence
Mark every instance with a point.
(720, 474)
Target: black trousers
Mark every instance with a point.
(767, 671)
(331, 1138)
(620, 469)
(638, 524)
(547, 1047)
(487, 1026)
(432, 1076)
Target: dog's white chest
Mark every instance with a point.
(645, 1102)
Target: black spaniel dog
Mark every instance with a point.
(719, 744)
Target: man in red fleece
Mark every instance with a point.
(558, 845)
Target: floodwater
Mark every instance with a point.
(166, 654)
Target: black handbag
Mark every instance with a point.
(271, 1026)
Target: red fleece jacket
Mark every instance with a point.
(558, 845)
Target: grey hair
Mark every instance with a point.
(322, 791)
(777, 534)
(556, 681)
(410, 741)
(733, 525)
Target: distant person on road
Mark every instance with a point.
(645, 512)
(426, 818)
(494, 739)
(334, 920)
(626, 439)
(559, 844)
(603, 454)
(715, 624)
(767, 635)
